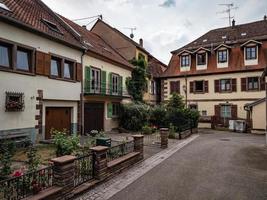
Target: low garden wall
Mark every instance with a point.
(70, 175)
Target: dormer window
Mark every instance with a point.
(201, 58)
(222, 56)
(251, 53)
(52, 26)
(185, 61)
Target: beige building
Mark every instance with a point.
(40, 72)
(129, 49)
(104, 81)
(220, 72)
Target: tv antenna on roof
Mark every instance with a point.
(132, 31)
(229, 8)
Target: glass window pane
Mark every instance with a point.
(67, 70)
(55, 64)
(23, 60)
(4, 56)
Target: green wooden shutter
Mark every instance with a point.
(110, 83)
(103, 82)
(110, 110)
(120, 85)
(87, 84)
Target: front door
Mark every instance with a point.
(58, 119)
(93, 117)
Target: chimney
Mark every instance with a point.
(233, 23)
(265, 18)
(141, 42)
(84, 26)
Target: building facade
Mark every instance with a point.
(40, 72)
(129, 49)
(220, 72)
(104, 81)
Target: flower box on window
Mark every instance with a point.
(14, 101)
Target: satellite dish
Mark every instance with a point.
(132, 35)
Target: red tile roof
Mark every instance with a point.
(29, 14)
(229, 35)
(96, 44)
(155, 67)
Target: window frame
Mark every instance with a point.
(183, 64)
(201, 54)
(250, 52)
(153, 87)
(115, 86)
(226, 55)
(72, 68)
(115, 105)
(14, 46)
(203, 86)
(225, 111)
(220, 85)
(253, 88)
(98, 89)
(9, 51)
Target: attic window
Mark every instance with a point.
(3, 6)
(224, 37)
(89, 44)
(243, 34)
(51, 26)
(205, 40)
(106, 49)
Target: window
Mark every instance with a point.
(5, 56)
(193, 106)
(204, 113)
(225, 85)
(222, 56)
(226, 111)
(253, 83)
(201, 59)
(115, 109)
(23, 59)
(95, 80)
(199, 86)
(14, 101)
(251, 53)
(185, 61)
(115, 83)
(51, 26)
(141, 56)
(153, 89)
(55, 68)
(68, 70)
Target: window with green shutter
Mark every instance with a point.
(87, 84)
(103, 82)
(109, 111)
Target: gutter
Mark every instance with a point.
(82, 95)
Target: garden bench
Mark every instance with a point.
(21, 139)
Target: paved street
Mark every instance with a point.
(219, 165)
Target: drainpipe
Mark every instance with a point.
(82, 96)
(185, 90)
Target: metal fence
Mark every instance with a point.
(120, 150)
(27, 184)
(84, 169)
(152, 140)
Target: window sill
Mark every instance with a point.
(5, 69)
(230, 91)
(62, 79)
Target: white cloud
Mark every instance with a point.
(162, 29)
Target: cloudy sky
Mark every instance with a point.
(164, 25)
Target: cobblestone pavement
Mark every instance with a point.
(118, 183)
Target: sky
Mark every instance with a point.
(164, 25)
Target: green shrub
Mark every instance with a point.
(134, 116)
(33, 160)
(65, 145)
(172, 131)
(7, 151)
(158, 116)
(147, 130)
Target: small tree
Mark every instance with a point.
(176, 102)
(136, 85)
(7, 151)
(33, 158)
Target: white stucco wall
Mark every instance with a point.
(52, 89)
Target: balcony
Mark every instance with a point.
(105, 89)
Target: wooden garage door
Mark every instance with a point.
(93, 117)
(58, 119)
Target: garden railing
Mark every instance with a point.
(120, 150)
(84, 169)
(26, 184)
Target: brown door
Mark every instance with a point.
(93, 117)
(58, 119)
